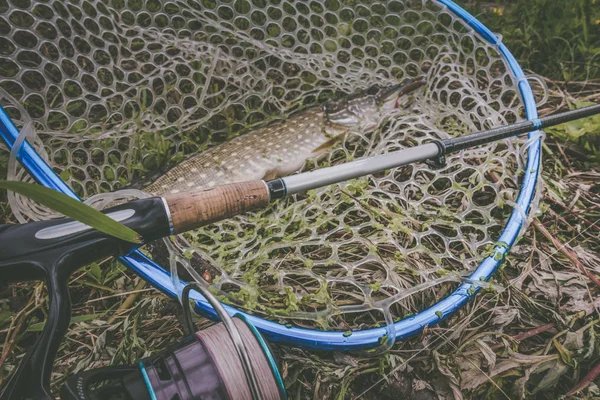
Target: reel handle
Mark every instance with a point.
(31, 379)
(77, 387)
(51, 251)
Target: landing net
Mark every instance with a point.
(117, 90)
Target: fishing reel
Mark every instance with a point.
(228, 361)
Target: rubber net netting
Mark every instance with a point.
(119, 89)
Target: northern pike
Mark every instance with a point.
(282, 148)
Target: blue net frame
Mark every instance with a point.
(337, 340)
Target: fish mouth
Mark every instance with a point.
(395, 92)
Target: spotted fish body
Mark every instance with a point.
(275, 150)
(281, 148)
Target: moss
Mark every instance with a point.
(291, 300)
(498, 256)
(383, 339)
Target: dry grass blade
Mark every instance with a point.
(589, 378)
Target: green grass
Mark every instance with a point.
(558, 39)
(4, 208)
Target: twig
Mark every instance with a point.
(559, 218)
(128, 301)
(13, 330)
(576, 212)
(526, 335)
(562, 152)
(568, 253)
(589, 378)
(118, 295)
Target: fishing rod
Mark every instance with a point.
(52, 250)
(194, 209)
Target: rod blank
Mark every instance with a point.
(200, 207)
(354, 169)
(504, 132)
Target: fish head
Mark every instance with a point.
(365, 109)
(353, 112)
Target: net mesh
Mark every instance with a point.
(119, 89)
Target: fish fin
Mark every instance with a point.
(328, 144)
(272, 174)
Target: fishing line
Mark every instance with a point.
(234, 335)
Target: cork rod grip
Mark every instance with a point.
(200, 207)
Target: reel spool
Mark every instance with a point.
(203, 365)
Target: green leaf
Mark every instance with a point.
(95, 272)
(564, 353)
(5, 316)
(72, 208)
(65, 175)
(80, 318)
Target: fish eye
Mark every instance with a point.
(374, 90)
(354, 109)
